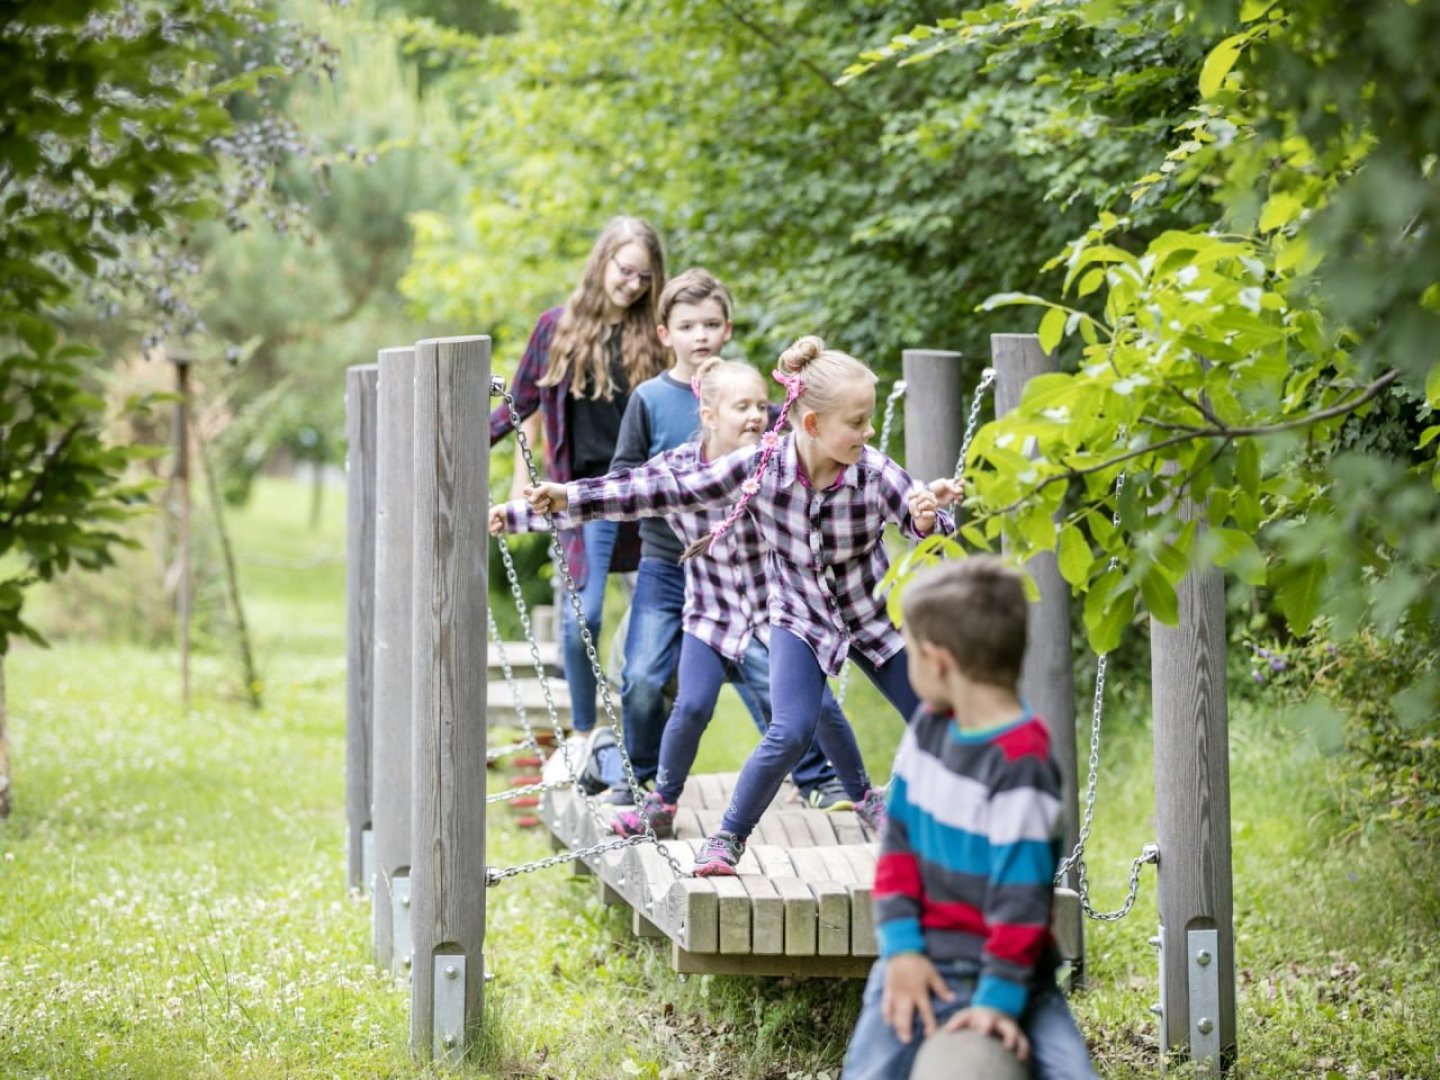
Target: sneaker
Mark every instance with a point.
(829, 795)
(719, 854)
(621, 795)
(596, 775)
(871, 809)
(654, 812)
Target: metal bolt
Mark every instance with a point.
(1157, 1009)
(1157, 941)
(1206, 1025)
(448, 1041)
(451, 971)
(409, 960)
(405, 901)
(1203, 958)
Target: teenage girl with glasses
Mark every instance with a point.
(577, 371)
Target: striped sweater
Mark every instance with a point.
(969, 853)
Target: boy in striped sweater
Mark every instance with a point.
(964, 881)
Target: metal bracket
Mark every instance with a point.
(449, 1013)
(402, 955)
(1203, 950)
(367, 860)
(497, 386)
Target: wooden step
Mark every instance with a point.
(522, 661)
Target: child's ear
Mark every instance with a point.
(810, 423)
(938, 658)
(663, 333)
(725, 334)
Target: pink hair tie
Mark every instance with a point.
(695, 386)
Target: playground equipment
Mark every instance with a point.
(418, 803)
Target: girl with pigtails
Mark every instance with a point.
(820, 499)
(725, 619)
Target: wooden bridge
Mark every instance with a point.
(799, 906)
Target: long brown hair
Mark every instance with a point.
(578, 349)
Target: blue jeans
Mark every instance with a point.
(652, 649)
(1057, 1049)
(797, 694)
(579, 674)
(702, 672)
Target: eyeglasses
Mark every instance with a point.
(629, 273)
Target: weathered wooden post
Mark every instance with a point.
(394, 553)
(451, 480)
(360, 383)
(1048, 681)
(1192, 822)
(934, 420)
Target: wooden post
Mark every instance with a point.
(451, 483)
(182, 364)
(394, 554)
(934, 418)
(1048, 681)
(360, 383)
(1192, 822)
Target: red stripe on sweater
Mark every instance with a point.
(897, 872)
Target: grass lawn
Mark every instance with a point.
(173, 902)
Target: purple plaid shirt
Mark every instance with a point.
(726, 601)
(550, 400)
(824, 556)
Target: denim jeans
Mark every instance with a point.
(797, 695)
(579, 675)
(1057, 1049)
(702, 672)
(652, 649)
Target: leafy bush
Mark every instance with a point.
(1374, 698)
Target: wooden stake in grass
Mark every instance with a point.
(232, 581)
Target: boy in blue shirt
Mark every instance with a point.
(964, 882)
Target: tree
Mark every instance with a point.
(114, 138)
(1276, 363)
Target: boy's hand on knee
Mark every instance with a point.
(989, 1021)
(910, 981)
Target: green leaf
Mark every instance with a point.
(1239, 551)
(1160, 596)
(1074, 556)
(1052, 329)
(1218, 64)
(1297, 592)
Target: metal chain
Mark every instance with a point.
(573, 593)
(987, 380)
(494, 875)
(1076, 859)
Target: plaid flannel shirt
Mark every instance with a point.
(725, 593)
(824, 557)
(550, 400)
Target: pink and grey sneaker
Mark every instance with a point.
(654, 812)
(871, 810)
(719, 854)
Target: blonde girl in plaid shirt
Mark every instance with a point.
(821, 498)
(726, 626)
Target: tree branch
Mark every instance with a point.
(38, 487)
(1219, 431)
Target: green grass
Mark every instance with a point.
(173, 901)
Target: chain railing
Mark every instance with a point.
(1150, 853)
(495, 875)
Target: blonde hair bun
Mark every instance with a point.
(793, 360)
(709, 364)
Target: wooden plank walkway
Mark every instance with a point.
(799, 906)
